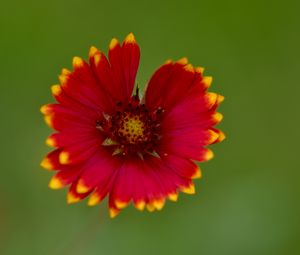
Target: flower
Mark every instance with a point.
(112, 143)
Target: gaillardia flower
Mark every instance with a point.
(112, 142)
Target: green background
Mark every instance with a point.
(248, 199)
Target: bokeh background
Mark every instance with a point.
(248, 199)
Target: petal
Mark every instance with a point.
(64, 139)
(64, 177)
(76, 153)
(51, 161)
(59, 109)
(131, 59)
(66, 122)
(193, 136)
(183, 167)
(97, 171)
(113, 210)
(171, 146)
(122, 190)
(115, 56)
(158, 85)
(169, 178)
(168, 84)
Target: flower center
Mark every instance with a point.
(132, 129)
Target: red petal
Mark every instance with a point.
(65, 177)
(158, 85)
(183, 167)
(130, 62)
(168, 85)
(115, 56)
(51, 161)
(88, 117)
(186, 150)
(64, 139)
(77, 153)
(122, 190)
(194, 137)
(98, 170)
(69, 123)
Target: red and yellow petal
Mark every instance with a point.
(64, 177)
(168, 84)
(131, 59)
(51, 161)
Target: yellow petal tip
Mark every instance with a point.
(81, 188)
(217, 117)
(140, 205)
(55, 183)
(77, 62)
(120, 204)
(46, 163)
(158, 204)
(189, 68)
(130, 38)
(64, 157)
(220, 99)
(93, 51)
(71, 198)
(183, 61)
(209, 155)
(94, 199)
(113, 43)
(189, 190)
(44, 109)
(113, 212)
(56, 90)
(97, 58)
(207, 80)
(49, 120)
(222, 136)
(212, 97)
(150, 207)
(65, 71)
(50, 142)
(63, 77)
(173, 196)
(199, 69)
(197, 174)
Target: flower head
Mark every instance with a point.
(110, 142)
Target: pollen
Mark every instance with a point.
(133, 129)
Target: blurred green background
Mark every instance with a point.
(248, 199)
